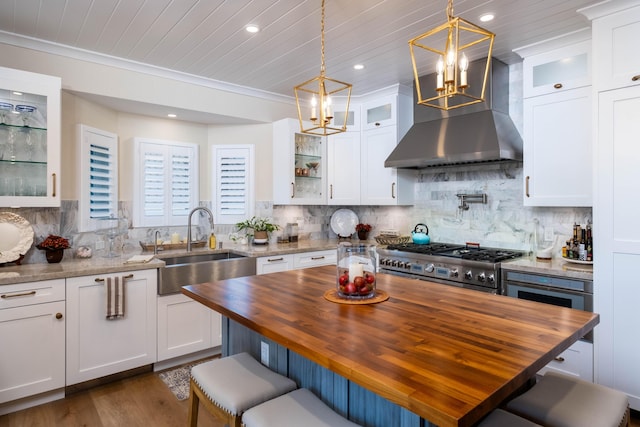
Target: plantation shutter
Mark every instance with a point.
(233, 186)
(99, 176)
(166, 184)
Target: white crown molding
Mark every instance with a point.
(112, 61)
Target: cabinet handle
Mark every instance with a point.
(275, 259)
(393, 190)
(558, 85)
(58, 316)
(128, 276)
(331, 191)
(635, 78)
(313, 258)
(377, 124)
(24, 294)
(559, 359)
(527, 187)
(293, 190)
(53, 193)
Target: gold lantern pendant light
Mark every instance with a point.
(314, 99)
(455, 38)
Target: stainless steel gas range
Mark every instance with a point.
(468, 266)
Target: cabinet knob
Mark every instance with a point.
(58, 316)
(377, 124)
(635, 78)
(558, 85)
(559, 359)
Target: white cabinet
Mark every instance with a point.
(273, 264)
(32, 338)
(299, 166)
(185, 326)
(96, 346)
(343, 168)
(29, 139)
(353, 116)
(380, 112)
(576, 361)
(557, 165)
(616, 49)
(314, 259)
(557, 155)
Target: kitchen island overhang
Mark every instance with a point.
(447, 354)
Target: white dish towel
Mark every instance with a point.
(115, 290)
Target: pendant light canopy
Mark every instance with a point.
(314, 99)
(450, 46)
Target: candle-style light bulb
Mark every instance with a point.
(329, 112)
(439, 74)
(464, 65)
(314, 103)
(451, 62)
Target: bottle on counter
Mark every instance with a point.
(212, 241)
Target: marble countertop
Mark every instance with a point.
(73, 267)
(554, 266)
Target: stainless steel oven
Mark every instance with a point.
(549, 289)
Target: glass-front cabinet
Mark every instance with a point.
(299, 169)
(29, 139)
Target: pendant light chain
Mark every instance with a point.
(322, 68)
(450, 10)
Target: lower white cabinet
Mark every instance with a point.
(96, 346)
(275, 263)
(186, 326)
(32, 339)
(576, 361)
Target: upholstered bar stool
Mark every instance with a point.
(563, 401)
(299, 408)
(229, 386)
(502, 418)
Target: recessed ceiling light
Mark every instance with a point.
(252, 28)
(17, 93)
(486, 17)
(358, 67)
(173, 116)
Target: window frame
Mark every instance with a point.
(247, 151)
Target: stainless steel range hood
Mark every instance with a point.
(482, 132)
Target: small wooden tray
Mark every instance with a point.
(332, 295)
(170, 246)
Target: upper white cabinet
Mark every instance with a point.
(299, 165)
(616, 48)
(343, 168)
(380, 112)
(556, 107)
(353, 116)
(29, 139)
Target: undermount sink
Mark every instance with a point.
(193, 268)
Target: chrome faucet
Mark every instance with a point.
(155, 242)
(199, 208)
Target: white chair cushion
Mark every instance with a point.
(238, 382)
(563, 401)
(299, 408)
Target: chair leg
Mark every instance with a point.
(194, 402)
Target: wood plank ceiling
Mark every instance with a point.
(208, 39)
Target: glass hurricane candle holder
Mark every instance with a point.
(356, 271)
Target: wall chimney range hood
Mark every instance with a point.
(482, 132)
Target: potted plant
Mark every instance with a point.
(54, 247)
(363, 231)
(261, 228)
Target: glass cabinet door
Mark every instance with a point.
(307, 168)
(29, 139)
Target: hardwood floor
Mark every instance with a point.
(143, 400)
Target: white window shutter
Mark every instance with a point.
(165, 182)
(99, 176)
(233, 183)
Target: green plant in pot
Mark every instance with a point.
(261, 228)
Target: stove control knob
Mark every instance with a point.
(491, 278)
(429, 268)
(453, 273)
(407, 265)
(402, 264)
(468, 275)
(395, 263)
(482, 277)
(384, 261)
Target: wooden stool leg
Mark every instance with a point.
(194, 402)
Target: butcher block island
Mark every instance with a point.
(445, 354)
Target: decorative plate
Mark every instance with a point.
(343, 222)
(17, 237)
(577, 261)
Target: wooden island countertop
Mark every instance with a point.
(447, 354)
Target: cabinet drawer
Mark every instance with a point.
(22, 294)
(575, 361)
(314, 259)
